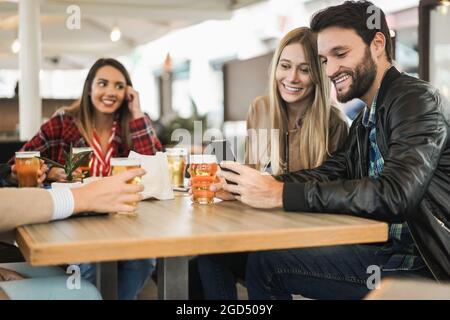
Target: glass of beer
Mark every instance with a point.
(176, 158)
(86, 165)
(203, 169)
(119, 165)
(27, 166)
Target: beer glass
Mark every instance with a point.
(203, 169)
(86, 165)
(176, 158)
(119, 165)
(27, 166)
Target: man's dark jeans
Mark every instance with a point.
(337, 272)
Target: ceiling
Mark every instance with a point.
(140, 22)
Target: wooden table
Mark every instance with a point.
(175, 229)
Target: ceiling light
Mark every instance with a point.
(115, 34)
(15, 47)
(443, 9)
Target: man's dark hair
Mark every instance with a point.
(354, 15)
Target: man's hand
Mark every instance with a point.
(8, 275)
(217, 187)
(254, 189)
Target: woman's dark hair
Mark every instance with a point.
(356, 15)
(85, 97)
(83, 110)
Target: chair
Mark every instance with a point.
(402, 289)
(10, 253)
(8, 148)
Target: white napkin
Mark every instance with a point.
(156, 181)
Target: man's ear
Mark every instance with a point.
(378, 45)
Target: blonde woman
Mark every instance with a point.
(308, 128)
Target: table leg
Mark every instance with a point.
(107, 280)
(173, 278)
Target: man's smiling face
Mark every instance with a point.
(348, 61)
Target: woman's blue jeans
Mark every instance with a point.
(132, 276)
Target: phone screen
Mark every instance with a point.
(223, 152)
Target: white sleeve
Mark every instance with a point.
(63, 203)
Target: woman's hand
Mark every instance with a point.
(13, 176)
(111, 194)
(42, 173)
(57, 174)
(134, 104)
(8, 275)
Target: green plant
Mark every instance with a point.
(73, 162)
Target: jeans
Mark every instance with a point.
(132, 276)
(219, 274)
(45, 283)
(195, 284)
(335, 272)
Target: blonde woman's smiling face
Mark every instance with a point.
(293, 74)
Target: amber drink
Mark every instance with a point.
(119, 165)
(27, 167)
(203, 169)
(176, 158)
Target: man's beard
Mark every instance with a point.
(362, 78)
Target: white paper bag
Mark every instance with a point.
(156, 181)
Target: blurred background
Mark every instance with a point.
(189, 59)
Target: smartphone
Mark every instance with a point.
(223, 152)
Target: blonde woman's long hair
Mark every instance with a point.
(82, 110)
(315, 126)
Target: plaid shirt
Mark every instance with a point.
(400, 246)
(56, 135)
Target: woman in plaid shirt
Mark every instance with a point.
(109, 119)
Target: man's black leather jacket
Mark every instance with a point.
(413, 130)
